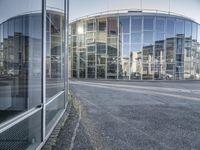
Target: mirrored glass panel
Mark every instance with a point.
(55, 52)
(124, 24)
(20, 66)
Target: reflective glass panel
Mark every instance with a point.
(26, 135)
(188, 29)
(179, 27)
(55, 54)
(148, 37)
(170, 28)
(160, 24)
(53, 111)
(124, 24)
(136, 24)
(20, 70)
(112, 26)
(148, 23)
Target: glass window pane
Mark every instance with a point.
(101, 48)
(112, 26)
(136, 24)
(179, 27)
(124, 24)
(188, 29)
(148, 37)
(20, 72)
(125, 50)
(53, 111)
(102, 25)
(160, 24)
(101, 72)
(25, 135)
(159, 36)
(90, 25)
(148, 23)
(55, 55)
(170, 28)
(194, 31)
(136, 37)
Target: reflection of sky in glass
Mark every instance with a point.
(188, 29)
(148, 23)
(179, 27)
(126, 50)
(160, 24)
(148, 37)
(124, 24)
(136, 47)
(136, 24)
(159, 36)
(136, 37)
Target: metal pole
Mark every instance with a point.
(67, 45)
(44, 67)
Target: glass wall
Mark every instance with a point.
(136, 47)
(31, 99)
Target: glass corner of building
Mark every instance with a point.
(33, 71)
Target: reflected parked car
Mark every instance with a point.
(168, 76)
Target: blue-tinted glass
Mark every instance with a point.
(179, 27)
(194, 31)
(11, 28)
(160, 24)
(124, 24)
(18, 25)
(125, 38)
(25, 135)
(136, 38)
(170, 28)
(136, 24)
(188, 28)
(148, 37)
(126, 50)
(136, 47)
(159, 36)
(199, 33)
(53, 111)
(5, 30)
(148, 23)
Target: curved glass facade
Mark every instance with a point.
(33, 84)
(135, 46)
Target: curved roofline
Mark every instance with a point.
(51, 9)
(129, 11)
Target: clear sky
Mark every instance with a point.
(189, 8)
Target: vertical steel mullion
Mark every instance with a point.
(165, 48)
(86, 50)
(142, 43)
(175, 39)
(106, 67)
(118, 48)
(66, 49)
(130, 24)
(95, 37)
(154, 44)
(44, 68)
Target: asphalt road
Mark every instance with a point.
(117, 115)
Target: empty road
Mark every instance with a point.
(117, 115)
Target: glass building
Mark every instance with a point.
(33, 76)
(135, 45)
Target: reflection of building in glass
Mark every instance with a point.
(135, 46)
(32, 79)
